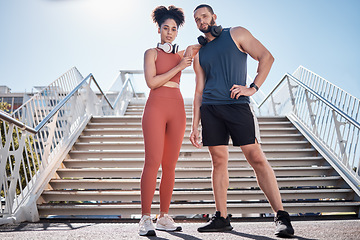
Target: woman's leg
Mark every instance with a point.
(174, 135)
(153, 124)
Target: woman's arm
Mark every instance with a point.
(154, 81)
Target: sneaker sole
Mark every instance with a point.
(149, 233)
(226, 229)
(169, 230)
(284, 234)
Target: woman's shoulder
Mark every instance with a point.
(151, 51)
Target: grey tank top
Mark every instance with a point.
(224, 65)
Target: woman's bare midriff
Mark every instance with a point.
(171, 84)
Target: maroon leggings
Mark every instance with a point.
(163, 125)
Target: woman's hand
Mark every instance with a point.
(184, 63)
(239, 90)
(189, 51)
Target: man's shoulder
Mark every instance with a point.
(238, 29)
(239, 34)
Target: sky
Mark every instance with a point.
(42, 39)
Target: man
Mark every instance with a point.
(221, 101)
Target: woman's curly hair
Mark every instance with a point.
(161, 14)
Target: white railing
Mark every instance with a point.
(120, 98)
(325, 114)
(38, 135)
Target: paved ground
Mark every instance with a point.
(304, 230)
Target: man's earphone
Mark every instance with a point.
(168, 47)
(214, 30)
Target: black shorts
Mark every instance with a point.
(219, 122)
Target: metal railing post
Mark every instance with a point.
(340, 138)
(311, 112)
(17, 154)
(292, 97)
(273, 104)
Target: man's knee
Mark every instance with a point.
(219, 156)
(254, 155)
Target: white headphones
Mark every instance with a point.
(168, 47)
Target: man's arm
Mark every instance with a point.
(249, 44)
(192, 50)
(200, 83)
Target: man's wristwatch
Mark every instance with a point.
(254, 86)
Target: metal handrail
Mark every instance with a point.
(19, 124)
(60, 104)
(329, 104)
(23, 126)
(122, 89)
(35, 130)
(101, 91)
(272, 91)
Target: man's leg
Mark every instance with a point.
(220, 222)
(267, 182)
(264, 174)
(220, 176)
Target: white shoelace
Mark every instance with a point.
(146, 220)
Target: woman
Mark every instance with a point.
(164, 117)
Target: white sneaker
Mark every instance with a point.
(146, 227)
(166, 223)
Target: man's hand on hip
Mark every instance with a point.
(239, 90)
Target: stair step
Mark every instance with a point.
(118, 138)
(136, 125)
(116, 119)
(140, 112)
(139, 137)
(186, 145)
(187, 172)
(197, 153)
(194, 162)
(121, 119)
(126, 210)
(137, 118)
(233, 195)
(105, 125)
(272, 131)
(196, 183)
(138, 131)
(142, 106)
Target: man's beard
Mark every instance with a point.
(212, 23)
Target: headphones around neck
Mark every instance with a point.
(215, 32)
(168, 47)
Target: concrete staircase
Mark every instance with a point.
(101, 175)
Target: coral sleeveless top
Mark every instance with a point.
(166, 61)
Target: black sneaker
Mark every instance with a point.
(217, 224)
(283, 225)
